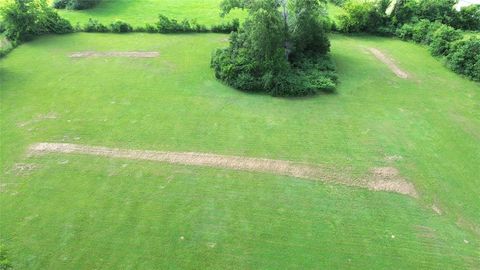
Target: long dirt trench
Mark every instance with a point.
(378, 179)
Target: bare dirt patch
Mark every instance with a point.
(393, 158)
(87, 54)
(389, 62)
(20, 169)
(389, 179)
(384, 179)
(436, 209)
(39, 118)
(425, 232)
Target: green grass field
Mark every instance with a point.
(85, 212)
(140, 12)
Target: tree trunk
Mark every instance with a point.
(285, 20)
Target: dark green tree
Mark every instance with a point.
(25, 19)
(259, 57)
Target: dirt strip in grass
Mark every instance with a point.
(87, 54)
(389, 62)
(378, 179)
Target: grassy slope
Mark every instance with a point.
(205, 11)
(85, 212)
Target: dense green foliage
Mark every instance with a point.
(406, 11)
(120, 27)
(464, 58)
(367, 17)
(25, 19)
(468, 18)
(75, 4)
(227, 27)
(338, 2)
(167, 25)
(164, 25)
(5, 263)
(279, 49)
(377, 16)
(95, 26)
(2, 27)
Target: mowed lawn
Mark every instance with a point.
(62, 211)
(204, 11)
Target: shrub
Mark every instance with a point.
(27, 19)
(226, 27)
(75, 4)
(423, 31)
(442, 40)
(2, 27)
(166, 25)
(53, 23)
(405, 32)
(464, 58)
(468, 18)
(95, 26)
(273, 54)
(363, 17)
(435, 10)
(150, 28)
(338, 2)
(120, 27)
(59, 4)
(5, 263)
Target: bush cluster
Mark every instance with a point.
(26, 19)
(167, 25)
(117, 26)
(369, 17)
(280, 50)
(5, 263)
(227, 27)
(164, 25)
(382, 16)
(439, 37)
(306, 75)
(120, 27)
(463, 56)
(338, 2)
(468, 18)
(75, 4)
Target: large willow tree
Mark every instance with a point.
(280, 49)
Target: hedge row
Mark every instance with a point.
(163, 25)
(381, 16)
(462, 56)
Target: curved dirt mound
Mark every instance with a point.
(278, 167)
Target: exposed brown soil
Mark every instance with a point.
(380, 179)
(20, 169)
(388, 178)
(389, 62)
(436, 209)
(39, 118)
(114, 54)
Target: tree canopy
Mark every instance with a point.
(269, 51)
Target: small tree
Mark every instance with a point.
(25, 19)
(259, 57)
